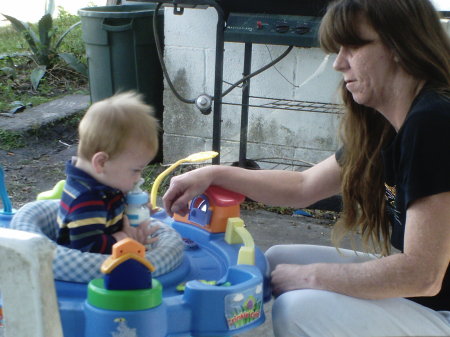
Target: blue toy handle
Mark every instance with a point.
(7, 207)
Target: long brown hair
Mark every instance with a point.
(412, 30)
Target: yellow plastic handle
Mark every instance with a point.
(193, 158)
(236, 233)
(55, 193)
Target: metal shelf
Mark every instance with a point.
(292, 105)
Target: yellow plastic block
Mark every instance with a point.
(237, 233)
(246, 256)
(231, 236)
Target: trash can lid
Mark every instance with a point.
(120, 11)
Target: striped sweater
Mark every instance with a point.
(89, 213)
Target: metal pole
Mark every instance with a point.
(217, 111)
(244, 109)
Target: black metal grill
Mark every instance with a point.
(283, 7)
(281, 22)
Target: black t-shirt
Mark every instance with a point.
(417, 164)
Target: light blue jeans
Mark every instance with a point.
(312, 313)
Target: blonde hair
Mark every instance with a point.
(422, 52)
(109, 125)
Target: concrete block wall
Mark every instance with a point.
(272, 133)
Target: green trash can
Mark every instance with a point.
(121, 52)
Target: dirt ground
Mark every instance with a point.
(38, 165)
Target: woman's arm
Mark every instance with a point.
(272, 187)
(419, 271)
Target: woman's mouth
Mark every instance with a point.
(349, 83)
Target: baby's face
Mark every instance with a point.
(124, 170)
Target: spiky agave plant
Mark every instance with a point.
(44, 44)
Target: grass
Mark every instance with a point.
(15, 66)
(10, 140)
(11, 41)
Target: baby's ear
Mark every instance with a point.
(98, 161)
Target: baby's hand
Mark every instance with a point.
(140, 233)
(152, 230)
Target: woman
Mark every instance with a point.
(394, 175)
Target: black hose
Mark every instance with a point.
(161, 59)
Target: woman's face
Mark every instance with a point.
(368, 70)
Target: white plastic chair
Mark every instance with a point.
(27, 286)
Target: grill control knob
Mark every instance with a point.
(303, 29)
(282, 28)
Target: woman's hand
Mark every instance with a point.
(185, 187)
(287, 277)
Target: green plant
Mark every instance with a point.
(73, 42)
(9, 68)
(11, 100)
(44, 44)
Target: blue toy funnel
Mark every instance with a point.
(7, 212)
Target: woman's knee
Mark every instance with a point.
(303, 312)
(273, 256)
(292, 254)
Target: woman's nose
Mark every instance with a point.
(340, 63)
